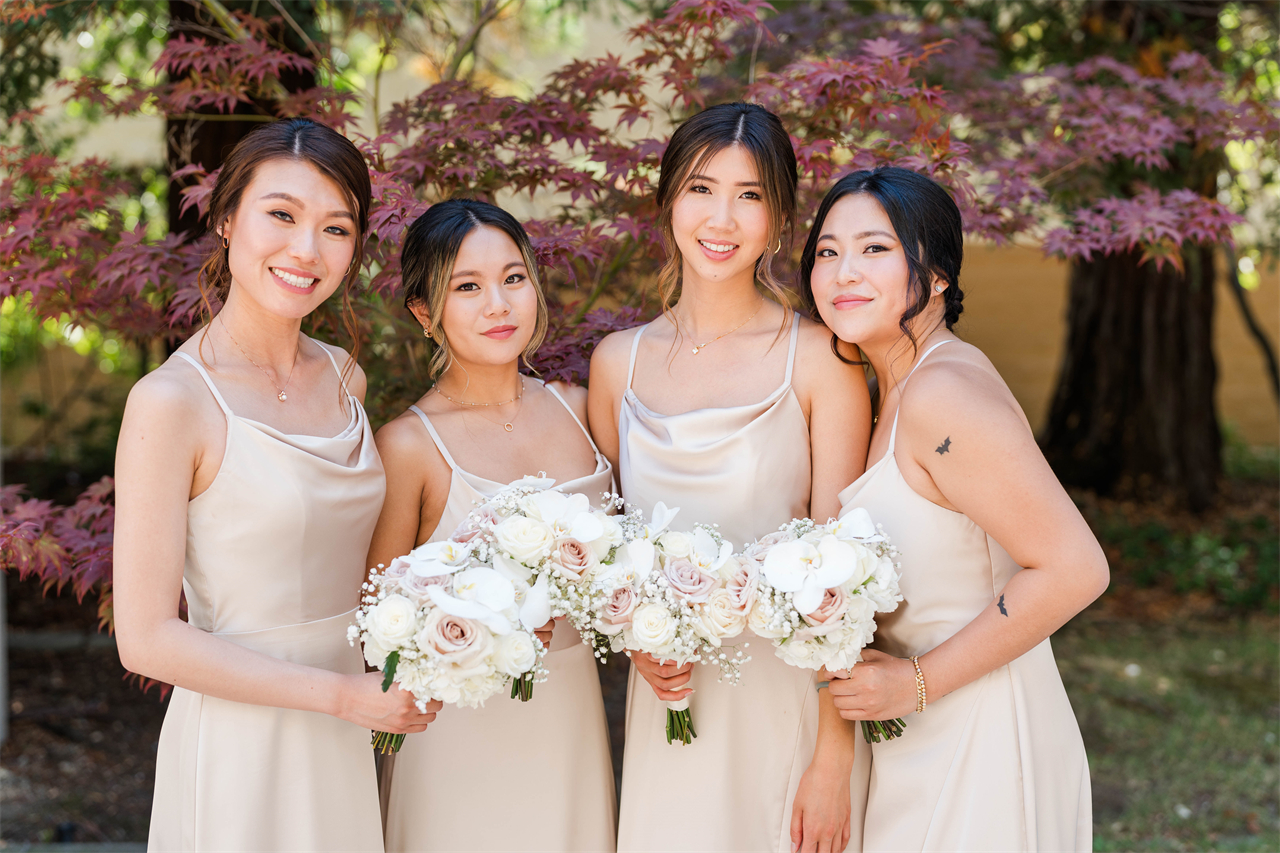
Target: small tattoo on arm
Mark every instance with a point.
(1000, 604)
(944, 447)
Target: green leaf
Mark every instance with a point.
(389, 670)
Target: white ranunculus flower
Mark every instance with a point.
(720, 618)
(676, 544)
(392, 622)
(808, 571)
(514, 654)
(653, 629)
(526, 539)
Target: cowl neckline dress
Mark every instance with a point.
(998, 765)
(747, 469)
(512, 775)
(275, 557)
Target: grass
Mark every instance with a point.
(1181, 721)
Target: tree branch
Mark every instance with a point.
(226, 20)
(467, 44)
(1258, 333)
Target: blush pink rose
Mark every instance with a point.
(688, 581)
(399, 568)
(829, 612)
(574, 558)
(742, 579)
(757, 550)
(415, 586)
(474, 524)
(618, 610)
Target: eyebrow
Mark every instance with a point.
(461, 273)
(342, 213)
(712, 180)
(863, 234)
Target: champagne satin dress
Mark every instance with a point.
(748, 469)
(998, 765)
(275, 557)
(511, 776)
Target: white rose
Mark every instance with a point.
(374, 652)
(801, 654)
(610, 537)
(676, 544)
(392, 621)
(720, 618)
(759, 622)
(514, 654)
(653, 629)
(527, 540)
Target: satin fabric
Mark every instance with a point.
(511, 776)
(998, 765)
(275, 557)
(747, 469)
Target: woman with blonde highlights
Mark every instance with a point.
(247, 477)
(734, 408)
(511, 775)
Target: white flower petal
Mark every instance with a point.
(809, 597)
(536, 608)
(839, 562)
(495, 622)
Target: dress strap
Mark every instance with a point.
(635, 346)
(893, 433)
(435, 436)
(791, 355)
(341, 381)
(208, 380)
(573, 415)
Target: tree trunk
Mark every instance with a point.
(1133, 413)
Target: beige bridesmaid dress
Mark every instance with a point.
(511, 776)
(275, 557)
(747, 469)
(998, 765)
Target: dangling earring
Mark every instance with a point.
(226, 242)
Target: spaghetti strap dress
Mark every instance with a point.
(998, 765)
(512, 775)
(747, 469)
(274, 561)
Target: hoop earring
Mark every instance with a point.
(226, 242)
(779, 249)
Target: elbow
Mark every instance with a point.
(133, 651)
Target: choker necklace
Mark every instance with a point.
(509, 425)
(731, 331)
(280, 395)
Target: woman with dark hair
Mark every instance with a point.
(735, 409)
(995, 556)
(511, 775)
(247, 477)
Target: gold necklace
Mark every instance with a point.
(509, 425)
(280, 395)
(731, 331)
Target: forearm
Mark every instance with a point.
(837, 738)
(178, 653)
(1031, 607)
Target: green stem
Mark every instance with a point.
(873, 731)
(680, 726)
(522, 687)
(386, 742)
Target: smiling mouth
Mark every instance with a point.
(292, 280)
(500, 332)
(721, 248)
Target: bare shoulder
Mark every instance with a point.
(173, 391)
(816, 359)
(405, 445)
(958, 389)
(357, 384)
(613, 353)
(574, 395)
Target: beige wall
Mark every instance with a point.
(1015, 305)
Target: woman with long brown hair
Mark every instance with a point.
(247, 477)
(735, 409)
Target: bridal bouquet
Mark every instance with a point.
(552, 546)
(447, 626)
(670, 594)
(820, 586)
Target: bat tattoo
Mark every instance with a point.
(944, 447)
(1000, 604)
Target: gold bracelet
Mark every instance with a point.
(921, 695)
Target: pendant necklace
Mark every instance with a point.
(509, 426)
(731, 331)
(280, 395)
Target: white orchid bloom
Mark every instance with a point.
(856, 524)
(446, 551)
(541, 481)
(708, 556)
(807, 571)
(512, 570)
(485, 586)
(495, 622)
(633, 562)
(661, 520)
(426, 568)
(535, 610)
(569, 516)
